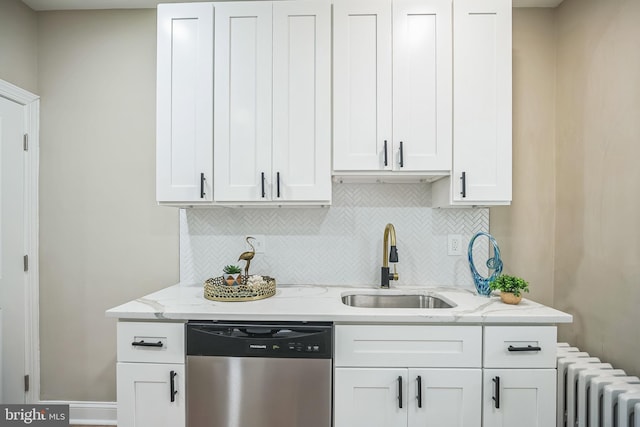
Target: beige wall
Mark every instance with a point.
(597, 276)
(103, 240)
(18, 45)
(525, 230)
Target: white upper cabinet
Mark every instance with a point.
(248, 112)
(392, 86)
(482, 105)
(482, 100)
(242, 101)
(362, 85)
(422, 85)
(184, 146)
(301, 169)
(272, 102)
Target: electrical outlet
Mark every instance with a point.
(258, 242)
(454, 244)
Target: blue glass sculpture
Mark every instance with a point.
(494, 263)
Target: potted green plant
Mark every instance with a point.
(232, 274)
(510, 288)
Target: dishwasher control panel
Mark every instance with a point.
(255, 339)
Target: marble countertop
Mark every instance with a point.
(323, 303)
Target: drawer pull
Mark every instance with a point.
(172, 376)
(527, 348)
(400, 392)
(496, 395)
(142, 343)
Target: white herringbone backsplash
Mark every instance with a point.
(339, 245)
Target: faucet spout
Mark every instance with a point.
(389, 234)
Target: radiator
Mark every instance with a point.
(594, 394)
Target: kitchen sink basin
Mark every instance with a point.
(394, 301)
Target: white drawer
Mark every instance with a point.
(520, 346)
(408, 346)
(155, 342)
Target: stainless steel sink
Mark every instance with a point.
(394, 301)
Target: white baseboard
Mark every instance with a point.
(89, 413)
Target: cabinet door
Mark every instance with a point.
(448, 397)
(184, 140)
(422, 90)
(482, 101)
(370, 397)
(242, 101)
(144, 395)
(301, 101)
(519, 397)
(362, 85)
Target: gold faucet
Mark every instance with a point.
(387, 257)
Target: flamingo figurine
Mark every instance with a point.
(248, 256)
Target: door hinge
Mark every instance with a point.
(25, 261)
(25, 142)
(26, 383)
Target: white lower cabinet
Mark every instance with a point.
(407, 376)
(151, 374)
(369, 397)
(384, 375)
(407, 397)
(519, 397)
(430, 375)
(519, 376)
(151, 395)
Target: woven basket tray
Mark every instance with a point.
(217, 289)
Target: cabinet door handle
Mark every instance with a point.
(401, 155)
(386, 160)
(419, 391)
(527, 348)
(496, 394)
(142, 343)
(463, 178)
(202, 180)
(262, 183)
(172, 376)
(400, 392)
(278, 183)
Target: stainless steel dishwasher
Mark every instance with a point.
(250, 374)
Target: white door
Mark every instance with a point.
(145, 395)
(184, 128)
(12, 250)
(362, 94)
(301, 101)
(422, 93)
(242, 101)
(482, 101)
(445, 397)
(370, 397)
(519, 397)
